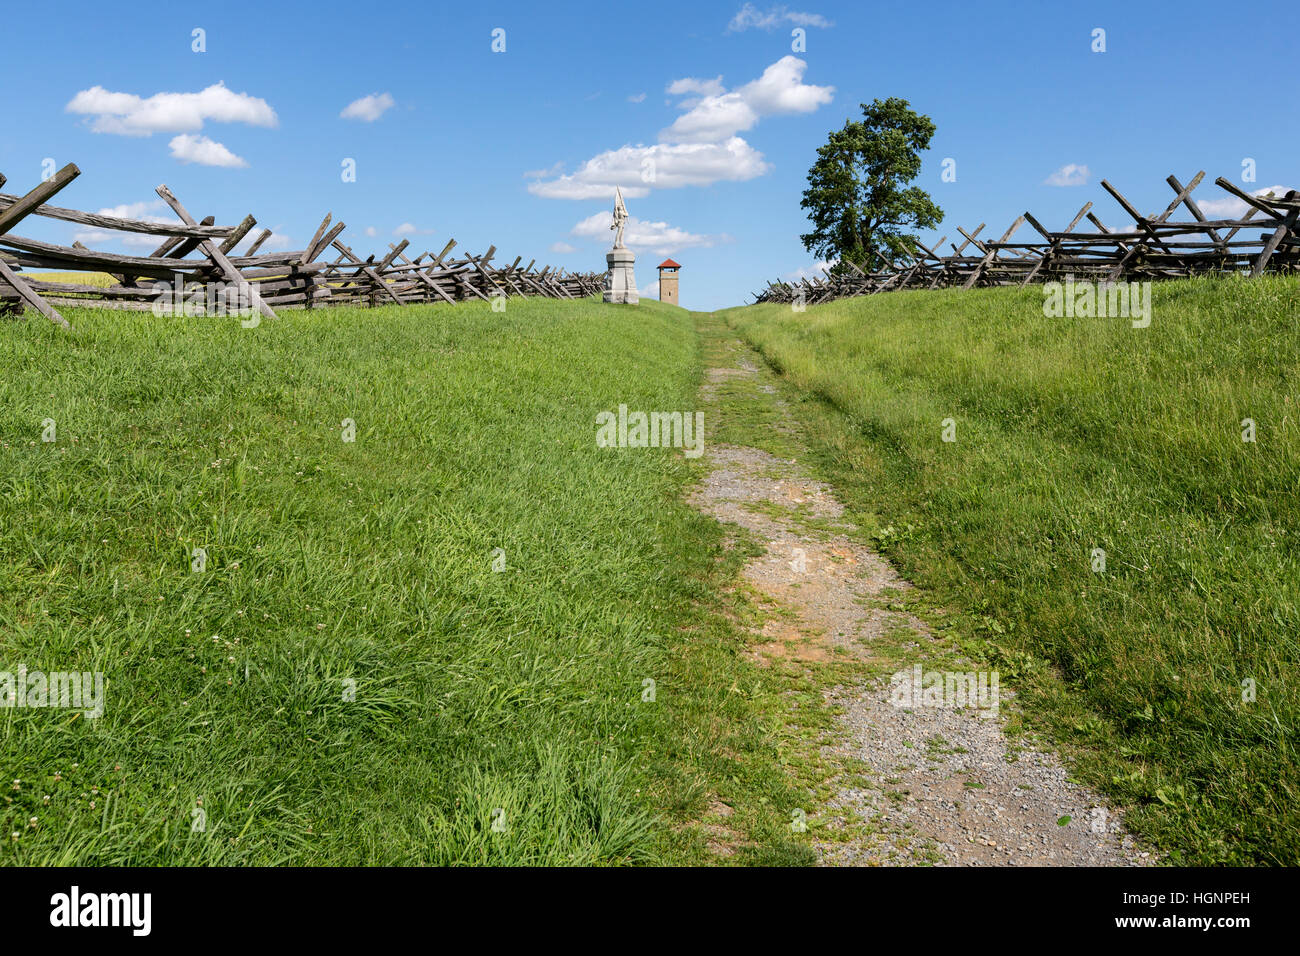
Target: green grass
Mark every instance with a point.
(480, 696)
(1076, 434)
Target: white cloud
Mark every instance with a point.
(126, 114)
(812, 272)
(563, 248)
(750, 17)
(135, 240)
(410, 229)
(371, 231)
(712, 118)
(781, 89)
(144, 211)
(672, 166)
(95, 236)
(138, 241)
(544, 173)
(691, 84)
(720, 114)
(1230, 207)
(651, 291)
(189, 148)
(138, 210)
(368, 108)
(1071, 174)
(701, 147)
(658, 237)
(275, 242)
(636, 98)
(570, 187)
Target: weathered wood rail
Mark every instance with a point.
(193, 258)
(1152, 248)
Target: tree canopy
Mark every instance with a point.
(857, 199)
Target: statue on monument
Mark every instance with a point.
(620, 218)
(620, 282)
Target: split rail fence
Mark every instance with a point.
(194, 256)
(1152, 248)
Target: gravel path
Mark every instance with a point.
(943, 785)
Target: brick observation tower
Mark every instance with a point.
(668, 281)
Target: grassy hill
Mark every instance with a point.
(348, 679)
(1173, 672)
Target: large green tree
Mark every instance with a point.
(858, 200)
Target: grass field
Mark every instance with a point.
(79, 278)
(348, 679)
(1172, 674)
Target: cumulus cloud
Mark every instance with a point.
(126, 114)
(780, 90)
(368, 108)
(189, 148)
(811, 272)
(711, 119)
(1071, 174)
(664, 166)
(688, 85)
(139, 210)
(410, 229)
(371, 231)
(275, 242)
(658, 237)
(95, 236)
(570, 187)
(138, 241)
(749, 17)
(544, 173)
(147, 211)
(636, 98)
(563, 248)
(701, 147)
(1230, 207)
(135, 240)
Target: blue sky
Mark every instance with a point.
(520, 148)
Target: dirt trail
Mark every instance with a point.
(941, 784)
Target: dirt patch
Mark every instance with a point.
(941, 783)
(716, 376)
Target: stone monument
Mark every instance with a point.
(620, 283)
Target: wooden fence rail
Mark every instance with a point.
(1152, 248)
(194, 258)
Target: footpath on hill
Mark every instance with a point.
(918, 771)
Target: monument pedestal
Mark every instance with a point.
(620, 286)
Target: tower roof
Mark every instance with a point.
(669, 264)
